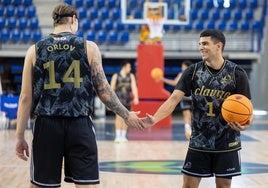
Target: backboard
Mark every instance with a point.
(174, 12)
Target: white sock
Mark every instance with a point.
(117, 133)
(123, 133)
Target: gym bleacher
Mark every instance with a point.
(19, 22)
(100, 21)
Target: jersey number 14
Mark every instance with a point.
(68, 76)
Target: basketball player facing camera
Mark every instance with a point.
(214, 144)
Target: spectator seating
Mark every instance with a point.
(226, 14)
(101, 36)
(85, 24)
(232, 25)
(103, 17)
(193, 14)
(79, 3)
(5, 35)
(113, 36)
(237, 14)
(249, 14)
(15, 35)
(100, 3)
(97, 24)
(27, 2)
(197, 4)
(104, 13)
(37, 35)
(215, 14)
(21, 12)
(221, 25)
(82, 12)
(19, 22)
(111, 4)
(119, 26)
(204, 13)
(31, 11)
(199, 25)
(80, 33)
(108, 24)
(17, 2)
(115, 13)
(2, 10)
(209, 4)
(244, 25)
(124, 36)
(10, 11)
(34, 23)
(93, 13)
(2, 22)
(89, 3)
(26, 35)
(91, 35)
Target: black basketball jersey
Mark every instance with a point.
(123, 89)
(62, 77)
(210, 132)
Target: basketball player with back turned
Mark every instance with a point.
(214, 144)
(61, 73)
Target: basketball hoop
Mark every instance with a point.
(136, 12)
(152, 15)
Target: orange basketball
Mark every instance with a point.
(237, 108)
(156, 73)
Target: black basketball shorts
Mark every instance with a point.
(185, 104)
(64, 142)
(208, 164)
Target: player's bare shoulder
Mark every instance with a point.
(30, 55)
(91, 47)
(31, 50)
(93, 51)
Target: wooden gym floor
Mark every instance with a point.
(151, 158)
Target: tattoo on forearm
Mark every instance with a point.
(106, 94)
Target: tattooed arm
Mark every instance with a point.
(103, 89)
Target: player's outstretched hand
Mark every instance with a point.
(134, 121)
(148, 121)
(22, 149)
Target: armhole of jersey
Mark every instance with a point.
(234, 74)
(194, 70)
(35, 47)
(85, 46)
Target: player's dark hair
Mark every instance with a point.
(125, 62)
(216, 36)
(187, 63)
